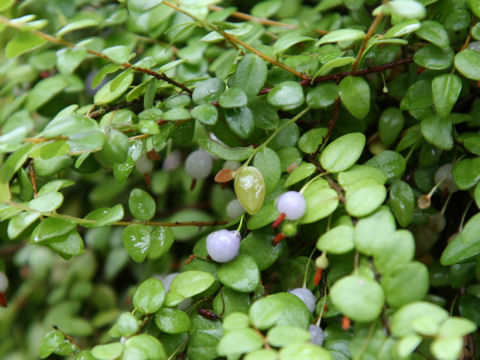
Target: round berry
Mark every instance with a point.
(444, 175)
(306, 296)
(292, 204)
(317, 334)
(3, 282)
(144, 165)
(234, 209)
(199, 164)
(223, 245)
(289, 229)
(172, 161)
(321, 262)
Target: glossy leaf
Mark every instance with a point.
(141, 204)
(343, 152)
(402, 202)
(467, 62)
(268, 163)
(466, 173)
(250, 189)
(250, 75)
(240, 274)
(188, 284)
(445, 90)
(438, 131)
(287, 95)
(355, 94)
(149, 296)
(321, 201)
(433, 32)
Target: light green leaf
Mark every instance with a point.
(240, 274)
(467, 62)
(338, 240)
(77, 25)
(403, 319)
(355, 94)
(239, 341)
(367, 303)
(287, 95)
(343, 152)
(188, 284)
(433, 32)
(321, 201)
(149, 296)
(22, 43)
(224, 152)
(341, 35)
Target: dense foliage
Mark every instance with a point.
(278, 179)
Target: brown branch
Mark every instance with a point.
(263, 21)
(59, 41)
(367, 37)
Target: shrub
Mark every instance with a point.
(363, 114)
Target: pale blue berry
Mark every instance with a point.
(317, 334)
(292, 204)
(306, 296)
(199, 164)
(223, 245)
(3, 282)
(234, 209)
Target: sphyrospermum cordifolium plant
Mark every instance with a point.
(205, 179)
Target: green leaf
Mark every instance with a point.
(463, 246)
(126, 325)
(104, 216)
(240, 274)
(447, 348)
(390, 162)
(250, 75)
(161, 240)
(262, 354)
(402, 202)
(119, 53)
(188, 284)
(250, 189)
(278, 309)
(67, 245)
(172, 321)
(142, 5)
(403, 28)
(438, 131)
(69, 59)
(322, 96)
(418, 96)
(281, 336)
(304, 352)
(109, 92)
(456, 326)
(332, 64)
(360, 172)
(367, 302)
(467, 62)
(77, 25)
(137, 240)
(390, 125)
(149, 345)
(300, 173)
(259, 245)
(149, 296)
(406, 284)
(466, 173)
(239, 341)
(22, 43)
(338, 240)
(445, 90)
(45, 90)
(50, 342)
(224, 152)
(433, 32)
(46, 203)
(404, 318)
(434, 58)
(51, 228)
(364, 196)
(343, 152)
(205, 113)
(208, 91)
(396, 249)
(235, 321)
(268, 163)
(110, 351)
(233, 98)
(321, 201)
(372, 231)
(355, 94)
(240, 121)
(406, 9)
(5, 4)
(264, 114)
(287, 40)
(20, 222)
(287, 96)
(311, 140)
(141, 204)
(342, 35)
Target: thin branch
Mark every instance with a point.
(81, 221)
(263, 21)
(234, 41)
(367, 37)
(59, 41)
